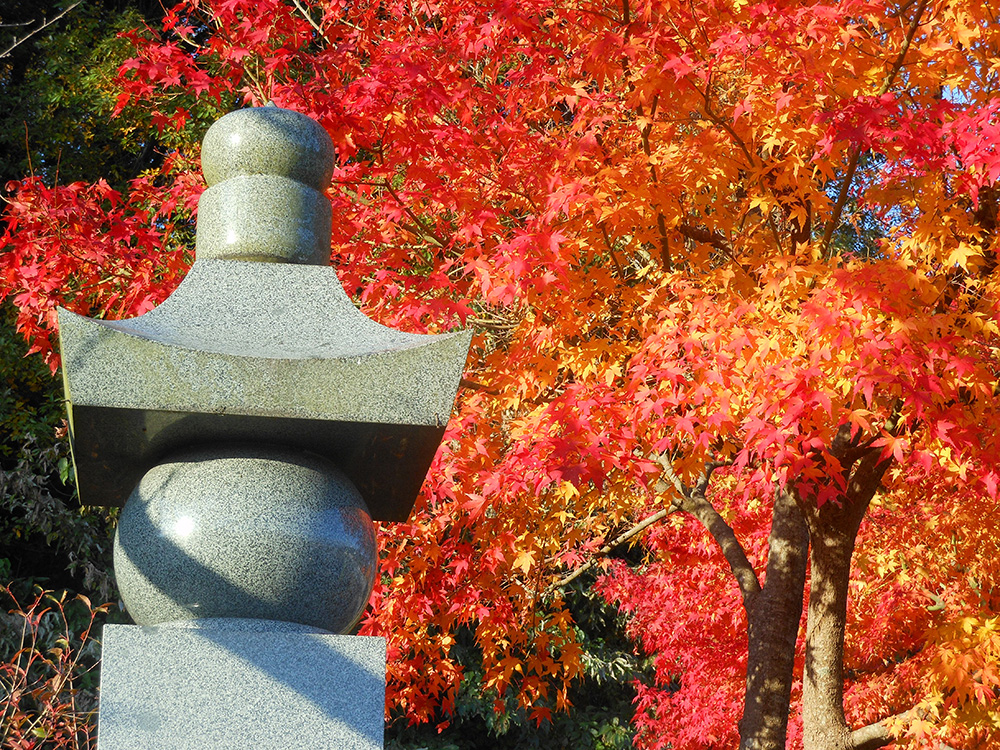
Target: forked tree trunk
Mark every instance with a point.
(773, 617)
(800, 532)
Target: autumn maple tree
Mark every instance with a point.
(732, 270)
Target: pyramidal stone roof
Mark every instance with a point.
(260, 343)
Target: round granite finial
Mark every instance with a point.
(269, 141)
(266, 169)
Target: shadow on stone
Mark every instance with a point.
(188, 688)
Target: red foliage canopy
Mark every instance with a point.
(753, 234)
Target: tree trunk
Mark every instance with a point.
(824, 724)
(773, 617)
(833, 530)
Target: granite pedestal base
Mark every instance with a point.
(234, 684)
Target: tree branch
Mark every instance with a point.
(700, 234)
(661, 223)
(693, 500)
(870, 737)
(665, 258)
(420, 226)
(718, 121)
(611, 249)
(305, 14)
(606, 549)
(717, 240)
(826, 245)
(698, 491)
(474, 385)
(701, 486)
(865, 480)
(877, 735)
(45, 24)
(668, 471)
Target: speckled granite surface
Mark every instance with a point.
(222, 686)
(246, 531)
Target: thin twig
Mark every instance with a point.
(717, 120)
(611, 249)
(305, 14)
(606, 549)
(45, 24)
(424, 229)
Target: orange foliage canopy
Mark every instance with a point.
(751, 235)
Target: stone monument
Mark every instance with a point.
(251, 428)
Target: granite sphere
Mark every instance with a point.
(268, 140)
(246, 532)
